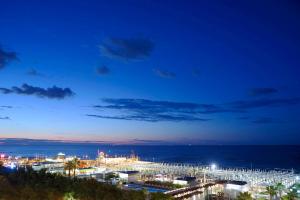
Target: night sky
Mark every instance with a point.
(151, 72)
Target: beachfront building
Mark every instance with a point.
(100, 174)
(50, 166)
(187, 180)
(129, 176)
(233, 188)
(61, 157)
(86, 171)
(104, 159)
(162, 178)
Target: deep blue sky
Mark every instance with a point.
(199, 72)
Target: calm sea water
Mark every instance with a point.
(263, 157)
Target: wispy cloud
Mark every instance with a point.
(149, 142)
(51, 93)
(155, 111)
(127, 48)
(103, 70)
(8, 107)
(164, 73)
(6, 57)
(160, 106)
(34, 72)
(262, 91)
(4, 118)
(152, 118)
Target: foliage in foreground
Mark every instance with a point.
(244, 196)
(277, 190)
(31, 185)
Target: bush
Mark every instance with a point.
(31, 185)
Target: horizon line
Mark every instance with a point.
(15, 140)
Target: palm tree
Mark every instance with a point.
(271, 190)
(69, 196)
(76, 164)
(292, 195)
(244, 196)
(280, 187)
(69, 166)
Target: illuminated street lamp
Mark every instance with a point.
(12, 165)
(213, 166)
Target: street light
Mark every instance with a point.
(213, 166)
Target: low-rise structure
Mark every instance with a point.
(185, 180)
(129, 176)
(48, 165)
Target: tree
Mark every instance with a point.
(221, 195)
(280, 187)
(111, 176)
(261, 198)
(292, 195)
(69, 166)
(69, 196)
(244, 196)
(271, 190)
(1, 165)
(32, 185)
(160, 196)
(76, 164)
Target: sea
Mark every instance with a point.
(255, 157)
